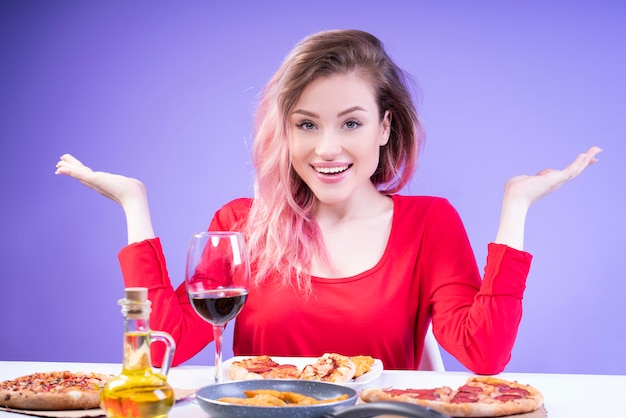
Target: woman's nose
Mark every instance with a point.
(328, 146)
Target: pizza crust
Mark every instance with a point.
(363, 364)
(442, 395)
(49, 401)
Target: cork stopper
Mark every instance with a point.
(136, 294)
(135, 304)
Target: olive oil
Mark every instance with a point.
(139, 392)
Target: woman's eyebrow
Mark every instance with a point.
(315, 115)
(352, 109)
(306, 113)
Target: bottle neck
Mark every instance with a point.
(137, 342)
(137, 324)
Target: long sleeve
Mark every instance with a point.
(474, 320)
(143, 265)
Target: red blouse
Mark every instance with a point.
(428, 270)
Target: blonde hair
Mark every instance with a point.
(281, 232)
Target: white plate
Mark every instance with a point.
(300, 362)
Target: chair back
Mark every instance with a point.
(431, 356)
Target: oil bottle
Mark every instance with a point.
(139, 392)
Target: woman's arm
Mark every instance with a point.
(143, 262)
(522, 191)
(128, 192)
(477, 320)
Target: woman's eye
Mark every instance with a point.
(352, 124)
(306, 125)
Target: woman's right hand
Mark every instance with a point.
(128, 192)
(114, 186)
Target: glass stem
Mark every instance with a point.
(218, 330)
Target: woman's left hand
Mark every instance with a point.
(529, 189)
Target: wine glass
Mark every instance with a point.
(217, 280)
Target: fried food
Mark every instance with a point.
(257, 400)
(269, 397)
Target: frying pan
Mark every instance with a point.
(208, 397)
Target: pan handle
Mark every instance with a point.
(403, 409)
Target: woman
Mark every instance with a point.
(341, 262)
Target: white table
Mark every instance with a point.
(566, 395)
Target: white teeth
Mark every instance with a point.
(331, 170)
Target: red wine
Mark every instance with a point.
(219, 306)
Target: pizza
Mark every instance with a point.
(330, 367)
(49, 391)
(480, 396)
(262, 367)
(363, 365)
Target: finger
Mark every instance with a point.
(589, 156)
(581, 162)
(69, 158)
(593, 151)
(63, 168)
(545, 171)
(586, 159)
(72, 169)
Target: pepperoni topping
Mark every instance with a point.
(505, 398)
(464, 397)
(259, 365)
(467, 394)
(515, 391)
(286, 367)
(259, 369)
(427, 394)
(470, 389)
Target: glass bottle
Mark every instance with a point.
(139, 392)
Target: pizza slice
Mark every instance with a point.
(430, 398)
(331, 367)
(262, 367)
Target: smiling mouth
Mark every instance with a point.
(331, 171)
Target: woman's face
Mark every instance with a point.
(336, 135)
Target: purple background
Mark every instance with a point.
(164, 91)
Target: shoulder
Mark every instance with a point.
(238, 206)
(428, 215)
(422, 205)
(232, 215)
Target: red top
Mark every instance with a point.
(428, 270)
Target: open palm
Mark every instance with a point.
(531, 188)
(113, 186)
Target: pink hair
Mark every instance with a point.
(281, 232)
